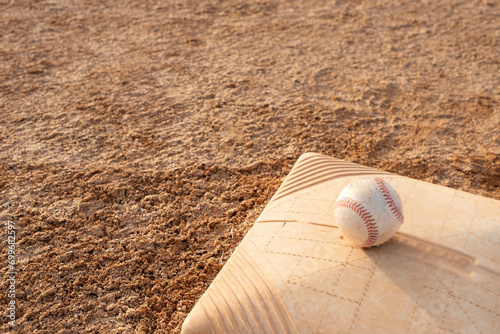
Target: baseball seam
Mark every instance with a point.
(364, 214)
(389, 200)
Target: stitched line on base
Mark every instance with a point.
(389, 200)
(366, 217)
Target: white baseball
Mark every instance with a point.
(369, 211)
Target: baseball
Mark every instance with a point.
(369, 212)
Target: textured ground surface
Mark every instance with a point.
(139, 140)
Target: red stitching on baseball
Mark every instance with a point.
(371, 226)
(389, 200)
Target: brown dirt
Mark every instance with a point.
(141, 139)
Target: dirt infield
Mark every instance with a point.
(139, 140)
